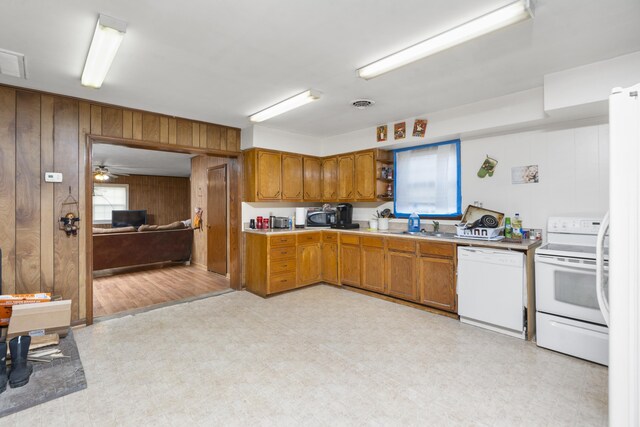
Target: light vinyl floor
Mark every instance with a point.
(317, 356)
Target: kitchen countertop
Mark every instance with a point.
(525, 245)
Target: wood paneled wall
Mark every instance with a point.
(166, 198)
(42, 132)
(199, 166)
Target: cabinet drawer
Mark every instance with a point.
(328, 236)
(283, 252)
(282, 282)
(401, 245)
(283, 240)
(375, 242)
(304, 238)
(438, 249)
(349, 239)
(283, 266)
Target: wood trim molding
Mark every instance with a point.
(150, 145)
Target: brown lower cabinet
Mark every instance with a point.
(309, 259)
(350, 260)
(373, 266)
(436, 280)
(422, 272)
(330, 257)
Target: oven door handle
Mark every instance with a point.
(602, 299)
(552, 260)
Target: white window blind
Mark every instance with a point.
(428, 180)
(108, 197)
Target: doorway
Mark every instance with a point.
(217, 219)
(226, 261)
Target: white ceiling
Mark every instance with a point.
(220, 61)
(134, 161)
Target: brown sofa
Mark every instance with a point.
(126, 247)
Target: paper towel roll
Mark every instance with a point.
(301, 217)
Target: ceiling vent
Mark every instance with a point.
(12, 64)
(361, 104)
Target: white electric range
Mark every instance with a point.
(568, 315)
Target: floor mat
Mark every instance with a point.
(48, 380)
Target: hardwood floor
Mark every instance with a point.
(138, 289)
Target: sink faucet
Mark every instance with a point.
(436, 226)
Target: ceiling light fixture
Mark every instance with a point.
(104, 46)
(500, 18)
(286, 105)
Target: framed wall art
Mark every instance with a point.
(399, 130)
(419, 128)
(381, 133)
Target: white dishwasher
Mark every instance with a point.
(491, 289)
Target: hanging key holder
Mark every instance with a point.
(69, 220)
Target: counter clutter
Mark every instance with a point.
(416, 269)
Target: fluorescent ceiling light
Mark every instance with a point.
(507, 15)
(286, 105)
(104, 46)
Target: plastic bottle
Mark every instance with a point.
(507, 228)
(517, 226)
(290, 223)
(414, 223)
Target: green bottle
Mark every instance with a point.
(507, 228)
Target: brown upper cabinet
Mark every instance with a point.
(330, 179)
(365, 175)
(291, 177)
(346, 171)
(262, 175)
(312, 182)
(273, 175)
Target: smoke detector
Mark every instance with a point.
(361, 104)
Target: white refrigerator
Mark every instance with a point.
(622, 305)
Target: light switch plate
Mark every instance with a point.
(52, 177)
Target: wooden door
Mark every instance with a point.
(330, 179)
(350, 265)
(217, 219)
(291, 177)
(312, 182)
(269, 185)
(365, 176)
(401, 275)
(436, 283)
(345, 177)
(373, 268)
(330, 262)
(309, 264)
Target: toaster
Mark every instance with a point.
(280, 222)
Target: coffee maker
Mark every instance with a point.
(344, 213)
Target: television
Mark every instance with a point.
(122, 218)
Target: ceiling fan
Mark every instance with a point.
(102, 174)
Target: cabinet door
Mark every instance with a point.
(330, 179)
(401, 275)
(436, 282)
(269, 175)
(312, 182)
(291, 177)
(330, 263)
(346, 167)
(309, 264)
(373, 268)
(350, 265)
(365, 176)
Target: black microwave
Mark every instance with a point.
(320, 218)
